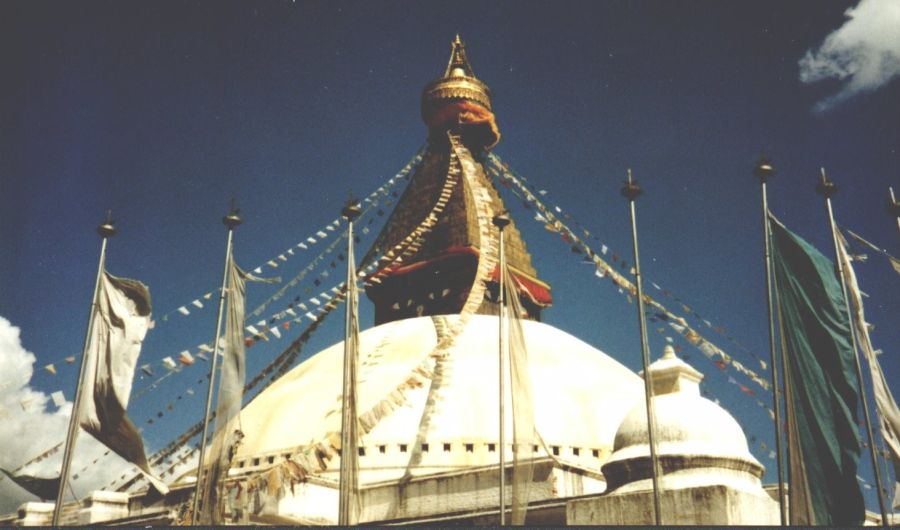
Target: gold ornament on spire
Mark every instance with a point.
(457, 83)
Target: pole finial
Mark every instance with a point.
(763, 170)
(631, 190)
(107, 228)
(501, 220)
(351, 209)
(825, 187)
(232, 220)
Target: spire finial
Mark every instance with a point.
(458, 65)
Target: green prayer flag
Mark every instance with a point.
(823, 393)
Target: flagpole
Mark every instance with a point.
(501, 221)
(763, 172)
(631, 191)
(350, 212)
(232, 220)
(893, 206)
(106, 230)
(827, 188)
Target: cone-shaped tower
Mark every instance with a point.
(436, 278)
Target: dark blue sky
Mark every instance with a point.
(164, 111)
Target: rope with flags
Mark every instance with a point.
(604, 269)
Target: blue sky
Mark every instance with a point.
(164, 111)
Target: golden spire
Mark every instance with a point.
(457, 84)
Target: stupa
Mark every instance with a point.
(428, 382)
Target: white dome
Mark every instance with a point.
(697, 441)
(686, 424)
(450, 421)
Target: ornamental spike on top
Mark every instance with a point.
(458, 65)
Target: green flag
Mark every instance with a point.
(823, 393)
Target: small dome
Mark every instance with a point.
(686, 424)
(697, 441)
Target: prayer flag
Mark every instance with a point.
(70, 359)
(183, 310)
(58, 398)
(198, 304)
(45, 488)
(186, 358)
(146, 369)
(885, 404)
(169, 363)
(50, 368)
(822, 390)
(120, 323)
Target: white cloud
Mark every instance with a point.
(864, 53)
(31, 426)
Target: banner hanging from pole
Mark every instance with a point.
(823, 392)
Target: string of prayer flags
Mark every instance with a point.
(622, 282)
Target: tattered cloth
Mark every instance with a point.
(477, 122)
(121, 321)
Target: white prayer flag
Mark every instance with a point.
(302, 245)
(258, 270)
(198, 304)
(120, 323)
(271, 263)
(321, 234)
(311, 316)
(183, 310)
(169, 363)
(275, 332)
(58, 398)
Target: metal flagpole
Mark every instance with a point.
(501, 221)
(631, 191)
(350, 212)
(893, 206)
(763, 172)
(826, 188)
(106, 231)
(232, 220)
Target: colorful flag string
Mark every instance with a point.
(677, 323)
